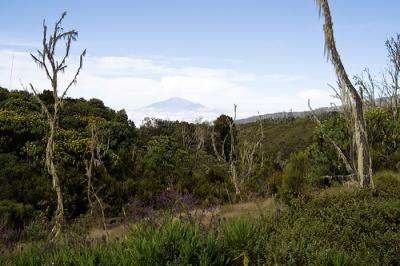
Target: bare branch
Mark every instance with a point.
(74, 80)
(42, 64)
(44, 107)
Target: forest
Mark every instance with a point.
(81, 184)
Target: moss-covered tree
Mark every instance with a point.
(49, 62)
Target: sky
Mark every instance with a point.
(263, 55)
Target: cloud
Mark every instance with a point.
(8, 42)
(318, 98)
(314, 94)
(279, 78)
(133, 82)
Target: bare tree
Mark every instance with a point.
(368, 88)
(232, 152)
(246, 155)
(241, 157)
(200, 134)
(97, 152)
(364, 170)
(53, 66)
(391, 81)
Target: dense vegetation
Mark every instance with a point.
(333, 227)
(139, 166)
(173, 166)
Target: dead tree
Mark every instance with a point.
(390, 88)
(232, 152)
(247, 153)
(46, 60)
(97, 152)
(368, 88)
(200, 133)
(364, 170)
(241, 157)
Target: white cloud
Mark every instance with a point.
(282, 78)
(318, 98)
(134, 82)
(314, 94)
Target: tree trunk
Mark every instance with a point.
(59, 214)
(363, 157)
(364, 171)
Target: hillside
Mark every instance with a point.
(282, 137)
(286, 115)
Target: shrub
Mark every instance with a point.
(174, 243)
(38, 229)
(332, 227)
(294, 179)
(240, 239)
(359, 223)
(387, 183)
(13, 217)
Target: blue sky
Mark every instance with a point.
(264, 55)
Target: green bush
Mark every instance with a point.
(174, 243)
(294, 181)
(331, 227)
(13, 217)
(240, 239)
(359, 223)
(387, 183)
(37, 230)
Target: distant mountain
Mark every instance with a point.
(281, 115)
(175, 104)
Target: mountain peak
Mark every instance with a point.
(175, 104)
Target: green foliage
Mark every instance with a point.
(175, 243)
(383, 137)
(37, 230)
(161, 164)
(23, 130)
(331, 227)
(275, 182)
(358, 223)
(282, 137)
(295, 174)
(13, 217)
(387, 183)
(341, 259)
(15, 214)
(241, 240)
(223, 135)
